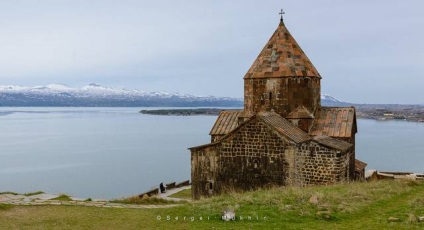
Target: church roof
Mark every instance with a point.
(299, 113)
(227, 121)
(334, 122)
(284, 127)
(332, 142)
(359, 165)
(282, 57)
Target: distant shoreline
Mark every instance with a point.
(362, 112)
(184, 112)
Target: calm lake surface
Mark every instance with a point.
(114, 152)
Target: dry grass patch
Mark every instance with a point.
(150, 200)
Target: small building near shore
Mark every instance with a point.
(360, 169)
(283, 136)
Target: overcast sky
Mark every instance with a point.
(367, 51)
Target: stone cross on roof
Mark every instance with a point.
(281, 13)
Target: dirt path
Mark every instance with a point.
(49, 199)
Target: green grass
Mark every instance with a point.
(5, 206)
(33, 193)
(63, 197)
(347, 206)
(9, 192)
(25, 194)
(184, 194)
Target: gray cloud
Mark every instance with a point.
(366, 51)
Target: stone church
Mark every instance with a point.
(283, 137)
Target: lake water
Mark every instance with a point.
(114, 152)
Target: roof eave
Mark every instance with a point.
(204, 146)
(279, 77)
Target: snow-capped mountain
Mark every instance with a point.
(89, 90)
(329, 98)
(97, 95)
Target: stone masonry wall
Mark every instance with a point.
(204, 163)
(318, 165)
(215, 138)
(352, 155)
(253, 157)
(283, 95)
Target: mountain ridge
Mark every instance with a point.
(95, 95)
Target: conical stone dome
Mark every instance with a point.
(282, 57)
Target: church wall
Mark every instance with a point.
(319, 165)
(204, 162)
(251, 158)
(352, 155)
(254, 156)
(283, 95)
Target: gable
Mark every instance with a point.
(300, 113)
(253, 134)
(284, 127)
(334, 122)
(274, 123)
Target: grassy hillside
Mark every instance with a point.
(345, 206)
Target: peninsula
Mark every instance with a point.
(414, 113)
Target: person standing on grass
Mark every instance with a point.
(162, 188)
